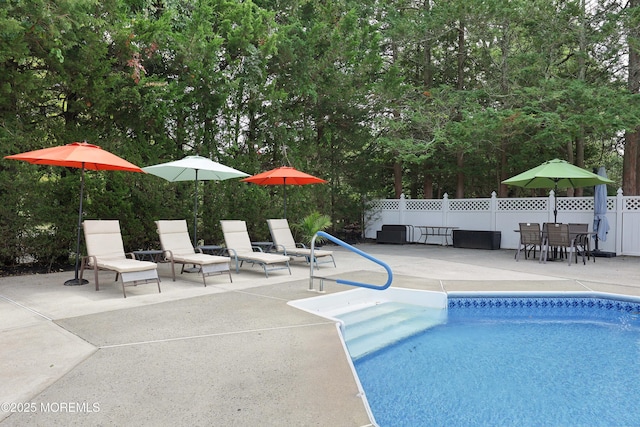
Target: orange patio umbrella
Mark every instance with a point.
(83, 156)
(282, 176)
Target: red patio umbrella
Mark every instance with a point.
(282, 176)
(83, 156)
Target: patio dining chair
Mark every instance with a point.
(530, 239)
(579, 233)
(556, 236)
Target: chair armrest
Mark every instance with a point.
(89, 260)
(231, 252)
(301, 245)
(257, 249)
(167, 254)
(233, 255)
(130, 255)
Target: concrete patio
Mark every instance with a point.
(230, 354)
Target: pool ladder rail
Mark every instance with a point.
(344, 281)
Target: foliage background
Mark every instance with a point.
(378, 97)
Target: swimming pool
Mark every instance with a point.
(503, 360)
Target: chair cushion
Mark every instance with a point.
(125, 265)
(263, 257)
(200, 259)
(103, 238)
(236, 236)
(281, 233)
(318, 253)
(174, 236)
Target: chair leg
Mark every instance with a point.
(82, 266)
(173, 270)
(544, 250)
(204, 278)
(95, 275)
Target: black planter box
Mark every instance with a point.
(476, 239)
(392, 234)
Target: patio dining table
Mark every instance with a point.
(435, 230)
(575, 236)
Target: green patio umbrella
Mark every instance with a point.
(556, 174)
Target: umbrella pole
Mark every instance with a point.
(76, 281)
(195, 268)
(195, 214)
(284, 185)
(596, 252)
(555, 204)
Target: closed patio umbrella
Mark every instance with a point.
(556, 174)
(600, 221)
(83, 156)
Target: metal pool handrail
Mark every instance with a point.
(344, 281)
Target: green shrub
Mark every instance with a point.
(310, 225)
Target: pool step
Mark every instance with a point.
(375, 327)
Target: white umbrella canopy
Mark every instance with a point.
(194, 168)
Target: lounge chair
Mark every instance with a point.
(239, 247)
(105, 251)
(284, 243)
(178, 249)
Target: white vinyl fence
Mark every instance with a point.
(504, 215)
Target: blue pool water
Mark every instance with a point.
(512, 362)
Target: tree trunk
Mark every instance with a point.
(460, 152)
(460, 175)
(397, 179)
(579, 192)
(427, 186)
(630, 164)
(630, 161)
(503, 189)
(427, 182)
(570, 159)
(461, 56)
